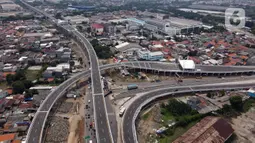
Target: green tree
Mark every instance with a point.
(18, 87)
(222, 93)
(236, 102)
(27, 84)
(58, 16)
(178, 108)
(20, 75)
(88, 30)
(94, 42)
(28, 94)
(9, 79)
(34, 91)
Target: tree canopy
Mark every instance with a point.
(103, 52)
(178, 108)
(18, 87)
(236, 102)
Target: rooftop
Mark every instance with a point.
(187, 64)
(209, 129)
(7, 137)
(97, 26)
(156, 53)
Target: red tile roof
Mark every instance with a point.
(26, 105)
(7, 137)
(97, 26)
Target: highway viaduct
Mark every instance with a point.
(36, 130)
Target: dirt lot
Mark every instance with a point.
(148, 124)
(244, 127)
(115, 75)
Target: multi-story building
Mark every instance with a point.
(145, 54)
(97, 29)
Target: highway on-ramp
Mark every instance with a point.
(128, 124)
(103, 130)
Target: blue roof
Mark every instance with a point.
(136, 20)
(251, 94)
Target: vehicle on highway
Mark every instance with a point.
(122, 111)
(132, 86)
(199, 77)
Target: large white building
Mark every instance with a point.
(158, 24)
(145, 54)
(78, 19)
(187, 64)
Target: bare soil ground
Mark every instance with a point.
(147, 125)
(244, 127)
(73, 136)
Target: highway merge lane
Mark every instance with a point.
(128, 122)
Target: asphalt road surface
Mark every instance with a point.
(36, 131)
(128, 132)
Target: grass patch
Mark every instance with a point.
(166, 115)
(178, 131)
(3, 85)
(248, 104)
(32, 74)
(146, 116)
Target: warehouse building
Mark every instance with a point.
(78, 19)
(156, 24)
(187, 65)
(208, 130)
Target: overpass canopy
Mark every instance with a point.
(187, 64)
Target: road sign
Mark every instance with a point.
(87, 137)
